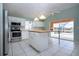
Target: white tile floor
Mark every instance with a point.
(67, 36)
(65, 48)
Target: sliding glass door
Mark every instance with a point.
(63, 30)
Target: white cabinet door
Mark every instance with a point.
(39, 40)
(23, 24)
(25, 35)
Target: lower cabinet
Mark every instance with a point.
(25, 34)
(39, 41)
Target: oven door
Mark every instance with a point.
(15, 28)
(16, 34)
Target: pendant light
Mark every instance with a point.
(36, 19)
(42, 17)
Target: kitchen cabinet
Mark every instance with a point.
(17, 19)
(39, 40)
(25, 34)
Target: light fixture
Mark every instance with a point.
(42, 17)
(36, 19)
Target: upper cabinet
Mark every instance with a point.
(17, 19)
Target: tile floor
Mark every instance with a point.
(65, 48)
(67, 36)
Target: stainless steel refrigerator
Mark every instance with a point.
(5, 33)
(1, 29)
(4, 42)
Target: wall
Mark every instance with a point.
(72, 12)
(47, 21)
(1, 29)
(37, 24)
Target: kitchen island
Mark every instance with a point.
(39, 39)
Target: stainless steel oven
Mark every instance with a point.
(16, 34)
(15, 31)
(15, 26)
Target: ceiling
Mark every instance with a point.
(35, 9)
